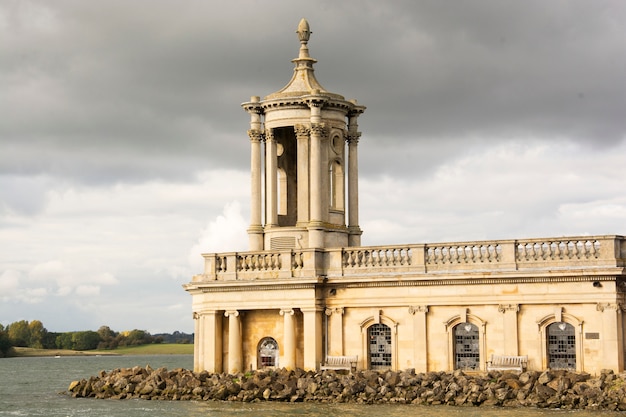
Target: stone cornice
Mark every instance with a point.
(465, 281)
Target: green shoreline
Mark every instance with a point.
(156, 349)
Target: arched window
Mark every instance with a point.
(561, 344)
(466, 346)
(466, 341)
(267, 353)
(379, 348)
(561, 338)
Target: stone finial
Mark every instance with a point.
(304, 33)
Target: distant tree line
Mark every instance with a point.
(34, 335)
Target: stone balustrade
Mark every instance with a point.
(503, 255)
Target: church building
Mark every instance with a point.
(307, 289)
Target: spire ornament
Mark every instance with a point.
(304, 33)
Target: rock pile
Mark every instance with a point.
(549, 389)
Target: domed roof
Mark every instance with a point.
(303, 81)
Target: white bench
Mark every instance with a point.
(340, 362)
(507, 363)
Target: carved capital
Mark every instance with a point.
(352, 138)
(233, 313)
(196, 315)
(256, 135)
(609, 306)
(418, 309)
(269, 135)
(503, 308)
(319, 129)
(336, 310)
(287, 311)
(302, 131)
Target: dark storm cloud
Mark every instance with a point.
(110, 90)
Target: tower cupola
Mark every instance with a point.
(298, 147)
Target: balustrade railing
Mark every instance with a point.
(419, 259)
(473, 253)
(258, 262)
(554, 250)
(376, 257)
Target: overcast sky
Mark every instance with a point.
(124, 153)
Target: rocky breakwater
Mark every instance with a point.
(549, 389)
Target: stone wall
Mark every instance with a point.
(549, 389)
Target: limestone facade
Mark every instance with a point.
(307, 289)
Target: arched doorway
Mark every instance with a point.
(267, 353)
(379, 347)
(561, 344)
(466, 346)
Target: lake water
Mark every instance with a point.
(31, 387)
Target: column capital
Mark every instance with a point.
(269, 135)
(256, 135)
(302, 131)
(352, 138)
(418, 309)
(319, 129)
(233, 313)
(610, 307)
(287, 311)
(329, 311)
(503, 308)
(196, 315)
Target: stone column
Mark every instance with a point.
(312, 338)
(255, 232)
(316, 230)
(335, 333)
(509, 323)
(198, 354)
(289, 344)
(354, 238)
(302, 136)
(208, 341)
(235, 347)
(612, 337)
(271, 180)
(420, 338)
(318, 188)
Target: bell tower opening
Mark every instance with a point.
(287, 164)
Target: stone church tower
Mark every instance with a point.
(304, 163)
(307, 293)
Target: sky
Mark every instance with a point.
(124, 153)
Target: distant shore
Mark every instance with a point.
(154, 349)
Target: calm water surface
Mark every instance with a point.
(31, 386)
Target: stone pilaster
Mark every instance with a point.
(420, 338)
(312, 338)
(612, 335)
(335, 331)
(509, 323)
